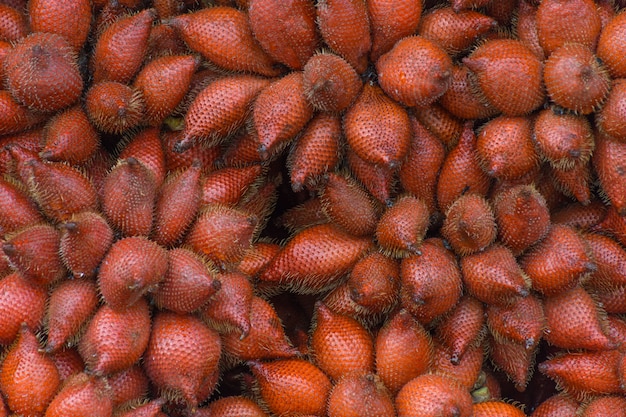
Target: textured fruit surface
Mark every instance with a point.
(330, 83)
(433, 395)
(72, 20)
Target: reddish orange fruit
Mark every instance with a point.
(433, 395)
(236, 406)
(20, 302)
(431, 281)
(608, 161)
(379, 180)
(469, 225)
(462, 327)
(374, 282)
(229, 185)
(207, 156)
(146, 147)
(120, 49)
(128, 386)
(443, 124)
(42, 72)
(70, 137)
(81, 395)
(402, 227)
(70, 305)
(85, 239)
(575, 183)
(182, 355)
(391, 21)
(582, 217)
(462, 98)
(496, 409)
(13, 24)
(132, 267)
(610, 51)
(509, 75)
(292, 386)
(163, 82)
(28, 378)
(610, 119)
(560, 22)
(514, 359)
(286, 31)
(223, 36)
(345, 27)
(377, 128)
(315, 152)
(68, 362)
(454, 31)
(605, 406)
(460, 5)
(150, 409)
(14, 117)
(115, 340)
(415, 72)
(315, 257)
(330, 83)
(71, 20)
(466, 371)
(493, 276)
(18, 209)
(114, 107)
(220, 109)
(526, 28)
(610, 260)
(360, 396)
(587, 83)
(523, 321)
(555, 406)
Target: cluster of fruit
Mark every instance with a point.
(329, 208)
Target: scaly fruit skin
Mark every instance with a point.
(20, 302)
(18, 209)
(114, 107)
(402, 227)
(470, 225)
(360, 396)
(608, 160)
(236, 406)
(70, 137)
(81, 395)
(330, 83)
(433, 395)
(462, 327)
(13, 26)
(610, 50)
(610, 119)
(72, 20)
(496, 409)
(462, 98)
(391, 21)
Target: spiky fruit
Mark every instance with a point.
(463, 99)
(433, 395)
(292, 386)
(415, 72)
(115, 340)
(379, 180)
(470, 225)
(13, 26)
(230, 184)
(114, 107)
(462, 327)
(236, 406)
(443, 124)
(20, 302)
(613, 406)
(15, 117)
(128, 386)
(81, 395)
(182, 355)
(364, 396)
(522, 322)
(609, 50)
(555, 406)
(18, 208)
(402, 227)
(608, 161)
(72, 20)
(390, 22)
(132, 267)
(610, 119)
(42, 72)
(526, 28)
(496, 409)
(28, 378)
(466, 371)
(70, 137)
(374, 282)
(330, 83)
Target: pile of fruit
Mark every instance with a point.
(325, 208)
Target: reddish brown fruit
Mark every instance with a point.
(128, 386)
(610, 50)
(462, 98)
(29, 379)
(220, 109)
(559, 405)
(163, 82)
(115, 340)
(42, 72)
(345, 27)
(132, 267)
(526, 28)
(330, 83)
(431, 282)
(286, 31)
(221, 233)
(229, 185)
(466, 371)
(14, 117)
(72, 20)
(614, 224)
(609, 162)
(229, 309)
(150, 409)
(207, 156)
(391, 21)
(402, 227)
(265, 340)
(557, 262)
(17, 207)
(348, 205)
(610, 260)
(292, 386)
(379, 180)
(114, 107)
(258, 257)
(460, 5)
(433, 395)
(341, 345)
(81, 395)
(146, 147)
(454, 32)
(177, 204)
(415, 72)
(188, 283)
(223, 36)
(469, 225)
(164, 40)
(461, 172)
(120, 50)
(496, 409)
(360, 396)
(560, 22)
(20, 302)
(493, 276)
(581, 217)
(280, 111)
(236, 406)
(462, 327)
(85, 239)
(70, 137)
(377, 128)
(443, 124)
(13, 24)
(612, 406)
(585, 373)
(182, 356)
(509, 75)
(315, 257)
(575, 312)
(70, 305)
(522, 216)
(128, 200)
(68, 362)
(420, 171)
(34, 252)
(563, 139)
(610, 119)
(374, 282)
(514, 359)
(522, 322)
(587, 82)
(505, 147)
(316, 152)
